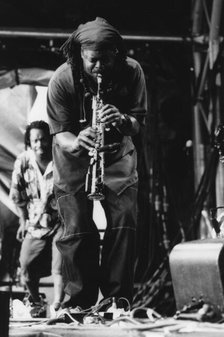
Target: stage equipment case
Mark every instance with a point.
(197, 271)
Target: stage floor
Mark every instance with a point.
(120, 328)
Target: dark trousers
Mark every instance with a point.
(80, 246)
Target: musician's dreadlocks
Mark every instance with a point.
(97, 34)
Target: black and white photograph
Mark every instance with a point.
(111, 168)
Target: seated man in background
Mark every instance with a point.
(32, 193)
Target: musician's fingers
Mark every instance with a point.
(86, 142)
(88, 132)
(110, 115)
(107, 110)
(111, 119)
(106, 107)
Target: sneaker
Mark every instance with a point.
(36, 309)
(19, 310)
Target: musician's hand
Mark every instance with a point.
(85, 139)
(110, 115)
(21, 232)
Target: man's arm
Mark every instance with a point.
(23, 216)
(71, 143)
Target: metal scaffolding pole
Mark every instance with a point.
(62, 35)
(214, 36)
(207, 106)
(198, 146)
(214, 46)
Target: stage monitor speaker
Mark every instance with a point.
(197, 272)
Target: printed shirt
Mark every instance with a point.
(34, 190)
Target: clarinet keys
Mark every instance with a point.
(94, 177)
(95, 174)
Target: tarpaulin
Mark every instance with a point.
(22, 99)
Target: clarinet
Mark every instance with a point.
(95, 174)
